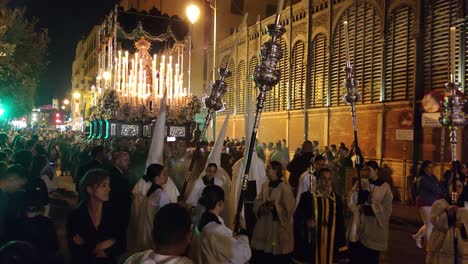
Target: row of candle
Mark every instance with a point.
(140, 78)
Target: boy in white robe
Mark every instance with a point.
(216, 243)
(372, 208)
(214, 175)
(148, 198)
(172, 234)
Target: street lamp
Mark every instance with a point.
(192, 12)
(66, 102)
(76, 95)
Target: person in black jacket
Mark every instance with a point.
(19, 252)
(93, 235)
(98, 155)
(300, 164)
(37, 229)
(120, 195)
(11, 181)
(35, 182)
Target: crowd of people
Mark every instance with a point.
(130, 208)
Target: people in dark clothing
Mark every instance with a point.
(459, 173)
(22, 157)
(19, 252)
(11, 182)
(35, 182)
(93, 235)
(300, 164)
(428, 190)
(319, 224)
(98, 155)
(37, 229)
(120, 195)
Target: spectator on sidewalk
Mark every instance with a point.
(98, 155)
(37, 229)
(93, 234)
(10, 183)
(429, 189)
(300, 164)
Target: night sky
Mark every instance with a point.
(67, 22)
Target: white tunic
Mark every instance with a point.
(222, 180)
(371, 231)
(440, 245)
(304, 184)
(217, 245)
(142, 215)
(171, 189)
(257, 174)
(150, 257)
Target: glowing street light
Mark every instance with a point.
(76, 95)
(192, 12)
(66, 102)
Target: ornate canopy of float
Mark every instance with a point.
(130, 84)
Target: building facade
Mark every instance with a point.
(84, 72)
(400, 51)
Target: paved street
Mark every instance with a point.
(402, 248)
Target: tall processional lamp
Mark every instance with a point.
(453, 117)
(265, 76)
(214, 103)
(351, 98)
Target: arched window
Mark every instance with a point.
(365, 52)
(240, 92)
(298, 76)
(399, 84)
(318, 72)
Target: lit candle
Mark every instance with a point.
(348, 61)
(140, 79)
(452, 53)
(176, 83)
(114, 82)
(234, 47)
(169, 78)
(279, 8)
(162, 85)
(119, 72)
(126, 70)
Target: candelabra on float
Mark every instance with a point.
(214, 103)
(453, 117)
(265, 76)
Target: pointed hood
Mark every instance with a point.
(257, 170)
(156, 151)
(215, 154)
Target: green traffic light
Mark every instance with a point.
(2, 110)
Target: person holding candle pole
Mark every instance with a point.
(374, 205)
